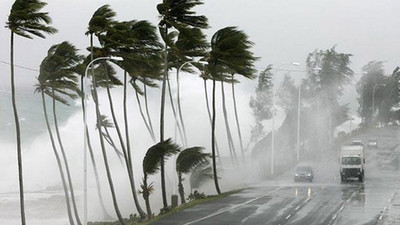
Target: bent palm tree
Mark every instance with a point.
(41, 89)
(137, 43)
(57, 79)
(100, 22)
(152, 163)
(25, 20)
(228, 53)
(174, 14)
(191, 43)
(186, 162)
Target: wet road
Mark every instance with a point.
(325, 201)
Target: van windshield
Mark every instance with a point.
(351, 161)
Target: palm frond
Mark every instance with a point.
(190, 158)
(157, 153)
(25, 19)
(101, 19)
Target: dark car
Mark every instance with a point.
(373, 143)
(303, 173)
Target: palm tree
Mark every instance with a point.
(175, 14)
(137, 43)
(58, 74)
(190, 43)
(100, 22)
(152, 163)
(57, 78)
(41, 88)
(25, 20)
(186, 162)
(228, 53)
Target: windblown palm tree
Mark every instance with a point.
(58, 72)
(100, 22)
(137, 43)
(57, 79)
(186, 162)
(25, 20)
(228, 53)
(190, 43)
(176, 14)
(152, 163)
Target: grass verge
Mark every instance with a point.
(135, 221)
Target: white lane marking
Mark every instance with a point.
(233, 207)
(297, 208)
(288, 217)
(334, 217)
(380, 217)
(351, 196)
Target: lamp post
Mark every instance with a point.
(373, 98)
(273, 117)
(85, 138)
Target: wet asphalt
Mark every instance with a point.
(325, 201)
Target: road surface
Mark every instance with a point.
(326, 201)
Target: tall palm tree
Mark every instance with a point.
(57, 72)
(25, 20)
(190, 43)
(228, 53)
(174, 14)
(186, 162)
(100, 22)
(152, 163)
(57, 78)
(137, 43)
(41, 88)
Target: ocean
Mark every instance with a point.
(44, 198)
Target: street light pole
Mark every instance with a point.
(273, 118)
(373, 99)
(85, 137)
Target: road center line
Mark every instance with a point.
(234, 207)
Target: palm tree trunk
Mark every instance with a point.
(18, 134)
(228, 130)
(179, 107)
(146, 197)
(214, 116)
(105, 213)
(147, 109)
(164, 195)
(71, 220)
(110, 141)
(103, 149)
(209, 116)
(175, 116)
(128, 148)
(96, 173)
(180, 189)
(64, 156)
(237, 120)
(143, 116)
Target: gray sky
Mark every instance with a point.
(283, 31)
